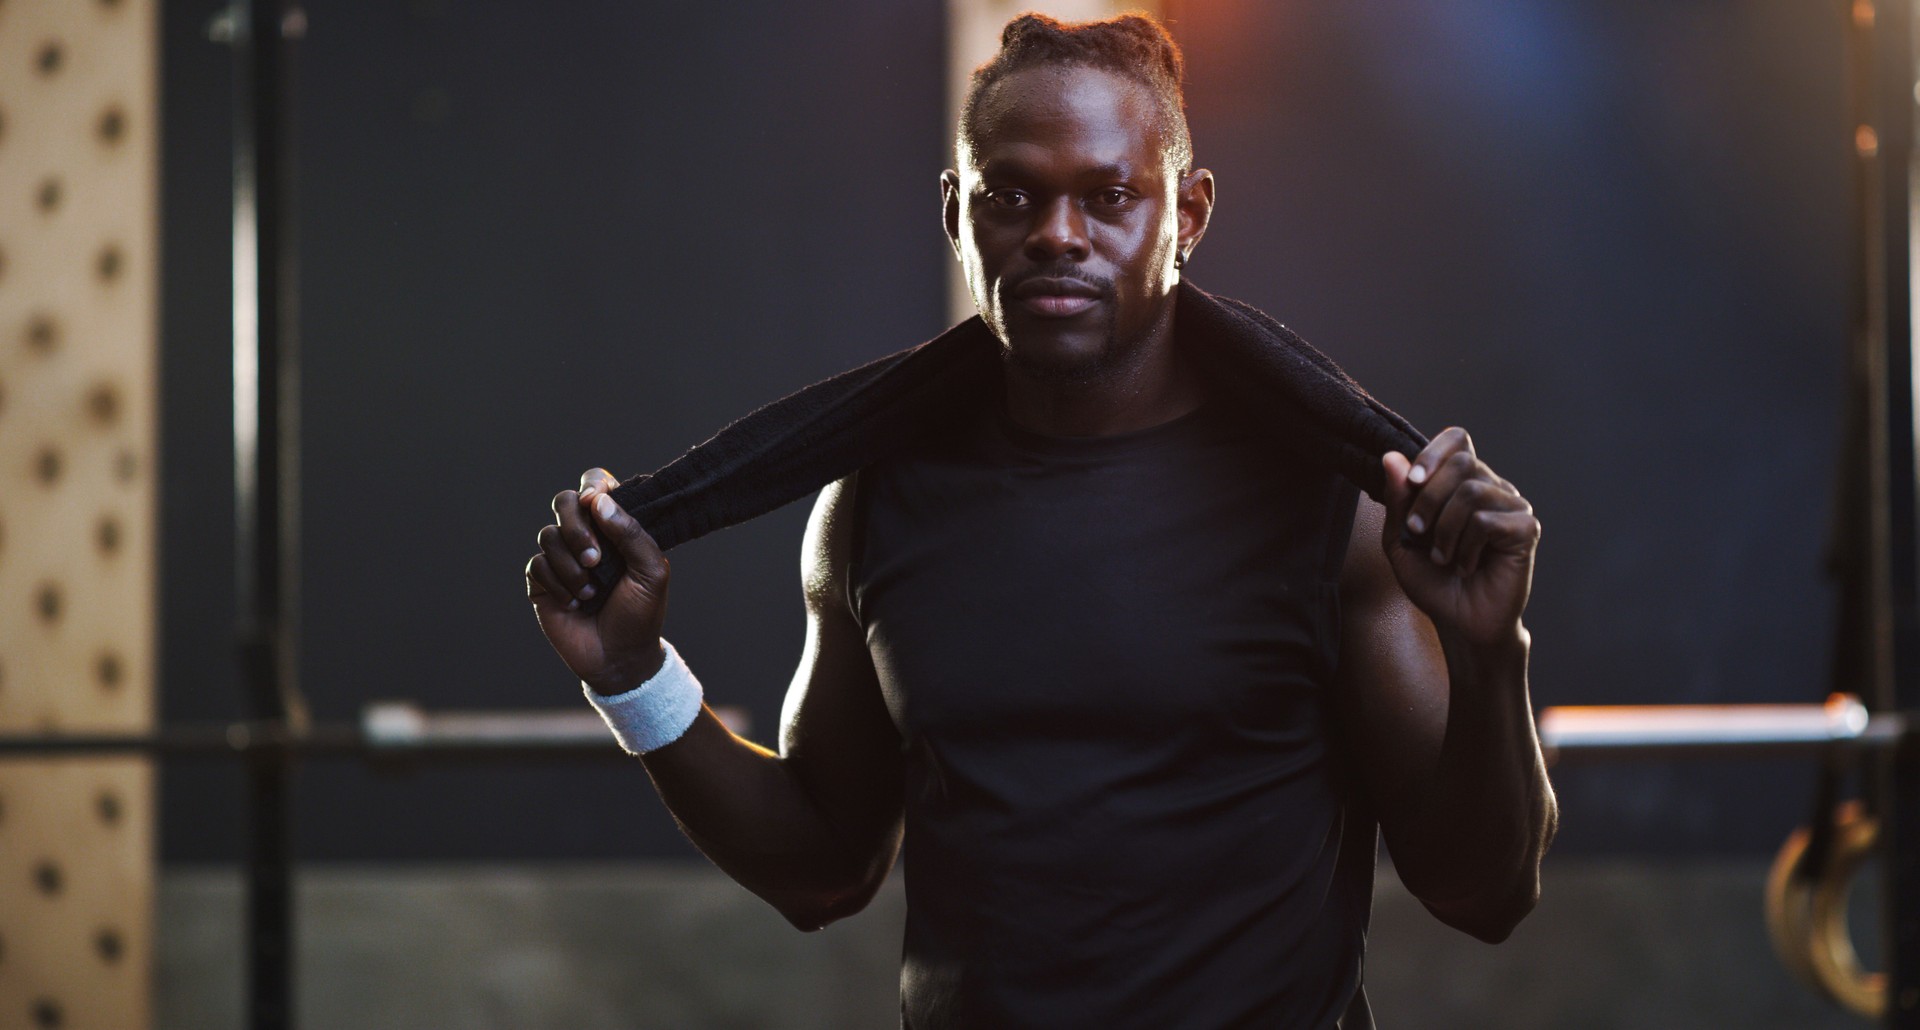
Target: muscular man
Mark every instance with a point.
(1134, 687)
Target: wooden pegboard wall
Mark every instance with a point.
(78, 188)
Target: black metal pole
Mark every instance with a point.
(1885, 81)
(266, 442)
(1900, 769)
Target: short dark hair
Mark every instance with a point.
(1132, 45)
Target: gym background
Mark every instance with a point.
(1615, 240)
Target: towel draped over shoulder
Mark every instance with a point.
(786, 450)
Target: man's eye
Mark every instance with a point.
(1006, 198)
(1112, 197)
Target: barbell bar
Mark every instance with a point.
(393, 728)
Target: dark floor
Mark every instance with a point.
(1613, 945)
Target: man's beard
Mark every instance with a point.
(1055, 365)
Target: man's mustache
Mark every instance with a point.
(1100, 285)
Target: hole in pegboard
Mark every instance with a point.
(47, 196)
(109, 945)
(107, 534)
(47, 878)
(47, 602)
(108, 807)
(46, 466)
(43, 334)
(126, 465)
(50, 57)
(47, 1014)
(108, 671)
(112, 125)
(108, 263)
(103, 403)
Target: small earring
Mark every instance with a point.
(1179, 259)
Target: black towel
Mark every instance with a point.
(794, 446)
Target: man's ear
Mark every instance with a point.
(950, 207)
(1194, 202)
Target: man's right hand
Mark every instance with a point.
(618, 647)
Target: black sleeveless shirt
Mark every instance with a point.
(1109, 661)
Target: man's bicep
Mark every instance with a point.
(835, 731)
(1392, 689)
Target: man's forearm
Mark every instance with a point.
(750, 813)
(1470, 841)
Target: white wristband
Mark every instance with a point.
(655, 713)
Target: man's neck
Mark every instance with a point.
(1155, 386)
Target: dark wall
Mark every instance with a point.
(536, 238)
(1611, 239)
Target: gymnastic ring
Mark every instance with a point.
(1830, 948)
(1807, 919)
(1789, 898)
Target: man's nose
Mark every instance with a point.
(1058, 231)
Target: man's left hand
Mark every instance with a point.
(1475, 570)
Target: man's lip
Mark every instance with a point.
(1054, 286)
(1056, 305)
(1056, 296)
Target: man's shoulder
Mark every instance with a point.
(826, 549)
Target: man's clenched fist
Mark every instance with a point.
(618, 647)
(1475, 573)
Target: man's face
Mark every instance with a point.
(1066, 218)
